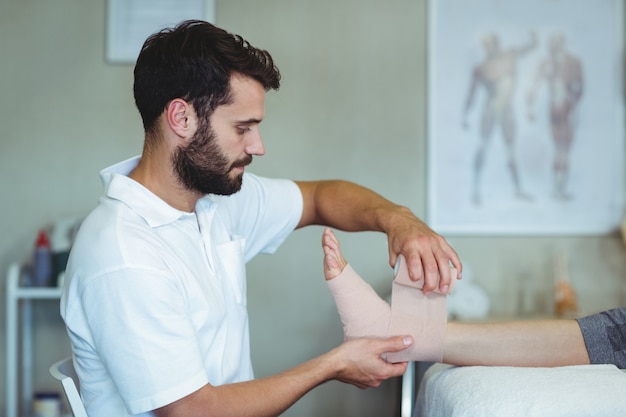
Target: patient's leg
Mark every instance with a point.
(362, 312)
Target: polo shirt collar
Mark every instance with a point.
(146, 204)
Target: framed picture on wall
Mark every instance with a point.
(129, 23)
(525, 116)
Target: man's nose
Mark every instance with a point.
(254, 145)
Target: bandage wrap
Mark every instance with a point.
(423, 316)
(364, 314)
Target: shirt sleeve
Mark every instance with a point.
(605, 337)
(264, 212)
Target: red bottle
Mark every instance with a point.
(42, 262)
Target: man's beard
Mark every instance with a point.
(202, 166)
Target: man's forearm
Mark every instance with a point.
(269, 396)
(344, 205)
(520, 343)
(357, 362)
(259, 398)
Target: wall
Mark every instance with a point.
(352, 105)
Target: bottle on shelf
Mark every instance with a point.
(42, 261)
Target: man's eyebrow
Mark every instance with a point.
(248, 121)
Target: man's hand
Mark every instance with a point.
(360, 361)
(427, 254)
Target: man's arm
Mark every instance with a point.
(357, 362)
(347, 206)
(520, 343)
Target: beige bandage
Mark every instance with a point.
(423, 316)
(362, 312)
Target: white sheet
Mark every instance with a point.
(571, 391)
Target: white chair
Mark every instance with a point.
(64, 372)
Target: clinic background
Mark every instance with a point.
(352, 105)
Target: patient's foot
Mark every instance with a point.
(334, 262)
(362, 312)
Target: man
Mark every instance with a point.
(562, 71)
(154, 299)
(497, 74)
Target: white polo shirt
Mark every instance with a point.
(155, 298)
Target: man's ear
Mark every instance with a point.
(181, 118)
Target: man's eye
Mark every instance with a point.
(243, 129)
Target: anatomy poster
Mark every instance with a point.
(525, 116)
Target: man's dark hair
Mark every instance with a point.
(194, 61)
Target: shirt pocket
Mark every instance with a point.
(233, 267)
